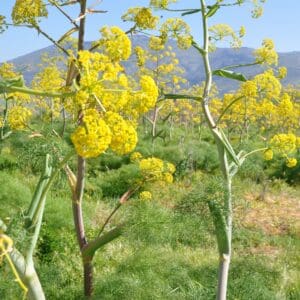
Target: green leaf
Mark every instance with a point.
(193, 11)
(68, 33)
(212, 10)
(230, 151)
(220, 227)
(199, 49)
(229, 74)
(6, 83)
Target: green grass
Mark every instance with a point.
(168, 249)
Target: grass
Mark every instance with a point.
(168, 249)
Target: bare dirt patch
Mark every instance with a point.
(276, 214)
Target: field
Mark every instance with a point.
(168, 249)
(156, 160)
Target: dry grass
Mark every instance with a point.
(277, 214)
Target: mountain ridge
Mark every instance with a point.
(189, 60)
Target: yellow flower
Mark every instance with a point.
(170, 168)
(142, 16)
(152, 168)
(28, 11)
(156, 43)
(124, 136)
(282, 72)
(136, 156)
(161, 3)
(115, 43)
(242, 31)
(145, 195)
(266, 54)
(291, 162)
(249, 89)
(18, 117)
(283, 143)
(140, 55)
(168, 178)
(268, 154)
(93, 136)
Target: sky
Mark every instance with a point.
(280, 22)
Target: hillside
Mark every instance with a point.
(189, 60)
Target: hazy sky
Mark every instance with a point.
(281, 22)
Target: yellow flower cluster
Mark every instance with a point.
(28, 11)
(49, 79)
(291, 162)
(103, 87)
(161, 3)
(268, 84)
(142, 17)
(144, 100)
(136, 156)
(7, 71)
(115, 43)
(1, 122)
(145, 195)
(18, 117)
(268, 154)
(176, 28)
(156, 169)
(93, 136)
(156, 43)
(124, 136)
(222, 32)
(282, 72)
(266, 54)
(260, 101)
(284, 145)
(140, 55)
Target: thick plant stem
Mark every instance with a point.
(223, 276)
(224, 252)
(28, 276)
(88, 277)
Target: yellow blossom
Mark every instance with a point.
(291, 162)
(124, 136)
(283, 143)
(115, 43)
(266, 54)
(145, 195)
(28, 11)
(136, 156)
(268, 154)
(142, 16)
(18, 117)
(93, 136)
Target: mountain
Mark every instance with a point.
(189, 60)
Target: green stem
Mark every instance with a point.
(46, 175)
(180, 96)
(243, 65)
(25, 90)
(47, 187)
(227, 107)
(4, 117)
(90, 248)
(223, 268)
(28, 276)
(255, 151)
(38, 191)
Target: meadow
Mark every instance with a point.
(141, 185)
